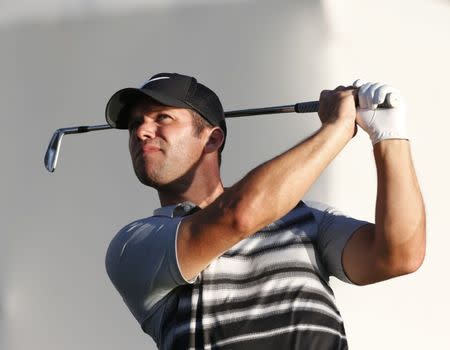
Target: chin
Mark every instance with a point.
(149, 181)
(152, 180)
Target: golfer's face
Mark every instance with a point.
(162, 143)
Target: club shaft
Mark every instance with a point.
(82, 129)
(230, 114)
(51, 156)
(260, 111)
(302, 107)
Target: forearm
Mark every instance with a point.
(400, 213)
(271, 190)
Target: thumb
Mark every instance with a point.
(358, 83)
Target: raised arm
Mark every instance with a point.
(395, 245)
(269, 191)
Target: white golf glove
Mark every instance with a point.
(380, 124)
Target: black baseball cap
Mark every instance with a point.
(170, 89)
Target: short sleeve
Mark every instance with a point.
(334, 230)
(142, 264)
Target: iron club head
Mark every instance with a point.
(51, 156)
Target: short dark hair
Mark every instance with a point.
(199, 123)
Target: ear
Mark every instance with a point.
(215, 140)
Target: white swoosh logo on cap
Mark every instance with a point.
(154, 79)
(159, 78)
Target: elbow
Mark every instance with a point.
(417, 258)
(415, 255)
(399, 265)
(407, 260)
(249, 217)
(244, 222)
(412, 263)
(246, 214)
(408, 256)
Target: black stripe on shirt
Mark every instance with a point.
(237, 281)
(267, 323)
(297, 340)
(299, 241)
(280, 297)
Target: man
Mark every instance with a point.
(247, 267)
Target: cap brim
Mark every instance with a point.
(119, 105)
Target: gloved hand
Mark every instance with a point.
(380, 124)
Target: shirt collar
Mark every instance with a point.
(175, 210)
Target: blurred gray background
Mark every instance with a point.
(60, 62)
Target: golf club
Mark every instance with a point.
(51, 156)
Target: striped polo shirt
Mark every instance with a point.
(269, 291)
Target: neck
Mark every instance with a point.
(202, 190)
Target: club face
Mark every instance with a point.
(51, 156)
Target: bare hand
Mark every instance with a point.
(337, 107)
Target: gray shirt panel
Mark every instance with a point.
(142, 264)
(334, 230)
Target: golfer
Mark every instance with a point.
(247, 267)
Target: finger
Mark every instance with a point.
(381, 93)
(362, 96)
(370, 95)
(358, 83)
(324, 93)
(340, 88)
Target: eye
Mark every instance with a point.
(162, 117)
(134, 123)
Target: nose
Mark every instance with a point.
(146, 129)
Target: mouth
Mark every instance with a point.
(146, 148)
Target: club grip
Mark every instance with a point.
(390, 101)
(307, 107)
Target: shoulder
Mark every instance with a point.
(330, 218)
(333, 223)
(334, 229)
(140, 235)
(146, 226)
(140, 227)
(141, 262)
(321, 210)
(322, 207)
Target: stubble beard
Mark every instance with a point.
(163, 176)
